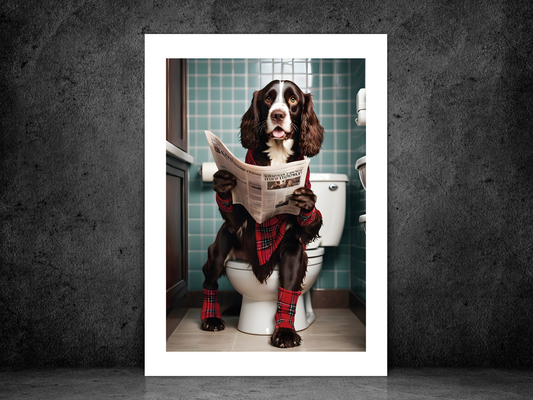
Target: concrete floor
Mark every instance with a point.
(428, 383)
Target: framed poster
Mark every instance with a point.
(223, 72)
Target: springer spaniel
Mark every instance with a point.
(279, 127)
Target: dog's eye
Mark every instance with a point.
(268, 99)
(293, 100)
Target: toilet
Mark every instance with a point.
(360, 165)
(259, 301)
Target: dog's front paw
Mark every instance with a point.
(304, 198)
(213, 324)
(285, 338)
(224, 181)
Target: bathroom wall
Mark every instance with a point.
(219, 93)
(357, 195)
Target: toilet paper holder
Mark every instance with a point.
(207, 170)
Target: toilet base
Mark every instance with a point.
(257, 316)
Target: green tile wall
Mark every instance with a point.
(220, 92)
(356, 193)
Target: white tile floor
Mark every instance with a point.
(335, 329)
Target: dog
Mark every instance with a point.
(279, 127)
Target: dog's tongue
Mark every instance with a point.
(278, 132)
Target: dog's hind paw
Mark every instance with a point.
(213, 324)
(285, 338)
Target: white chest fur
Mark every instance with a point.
(279, 151)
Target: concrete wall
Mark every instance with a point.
(460, 175)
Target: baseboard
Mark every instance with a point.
(358, 307)
(321, 298)
(330, 298)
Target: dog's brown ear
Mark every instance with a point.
(312, 133)
(250, 125)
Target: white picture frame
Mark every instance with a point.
(373, 361)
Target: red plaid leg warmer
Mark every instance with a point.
(225, 204)
(210, 307)
(286, 308)
(305, 218)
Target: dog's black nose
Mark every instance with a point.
(278, 116)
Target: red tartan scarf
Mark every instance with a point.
(269, 234)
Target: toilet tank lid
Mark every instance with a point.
(314, 177)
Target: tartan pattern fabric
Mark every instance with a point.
(305, 219)
(268, 235)
(210, 306)
(249, 159)
(225, 205)
(287, 300)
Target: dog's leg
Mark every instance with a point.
(212, 269)
(293, 266)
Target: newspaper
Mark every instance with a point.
(263, 191)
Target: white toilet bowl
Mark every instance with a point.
(259, 301)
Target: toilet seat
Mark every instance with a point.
(314, 256)
(319, 251)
